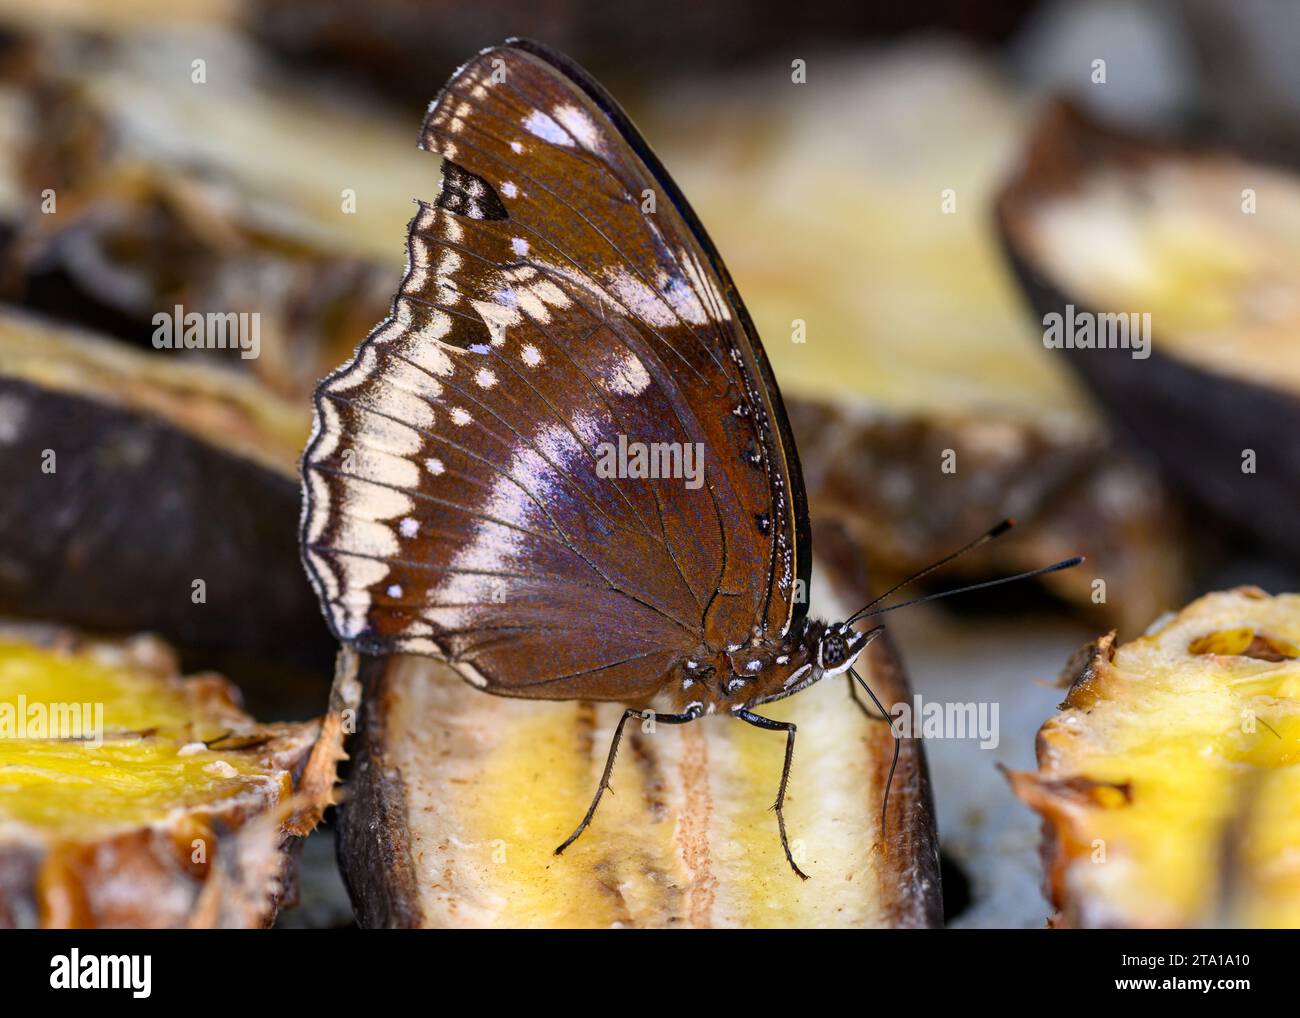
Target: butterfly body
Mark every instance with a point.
(748, 675)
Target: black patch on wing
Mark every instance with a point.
(469, 334)
(467, 194)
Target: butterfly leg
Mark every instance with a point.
(692, 713)
(853, 693)
(789, 728)
(852, 677)
(856, 680)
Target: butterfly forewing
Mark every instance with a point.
(561, 301)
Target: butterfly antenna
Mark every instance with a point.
(984, 538)
(1055, 567)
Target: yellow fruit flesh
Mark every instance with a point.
(1177, 242)
(905, 300)
(687, 837)
(1209, 746)
(131, 771)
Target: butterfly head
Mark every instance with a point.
(838, 646)
(821, 650)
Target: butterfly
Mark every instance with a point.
(462, 499)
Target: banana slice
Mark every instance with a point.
(458, 799)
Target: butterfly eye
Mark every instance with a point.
(834, 649)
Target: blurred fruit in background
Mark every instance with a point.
(856, 212)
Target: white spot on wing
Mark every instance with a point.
(642, 301)
(471, 674)
(588, 427)
(629, 377)
(580, 126)
(475, 570)
(702, 284)
(364, 541)
(682, 298)
(497, 319)
(539, 124)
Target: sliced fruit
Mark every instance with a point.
(143, 494)
(162, 197)
(912, 487)
(1205, 243)
(1169, 783)
(872, 270)
(132, 797)
(881, 376)
(457, 800)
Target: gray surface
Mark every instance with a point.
(322, 899)
(982, 826)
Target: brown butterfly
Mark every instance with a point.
(562, 301)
